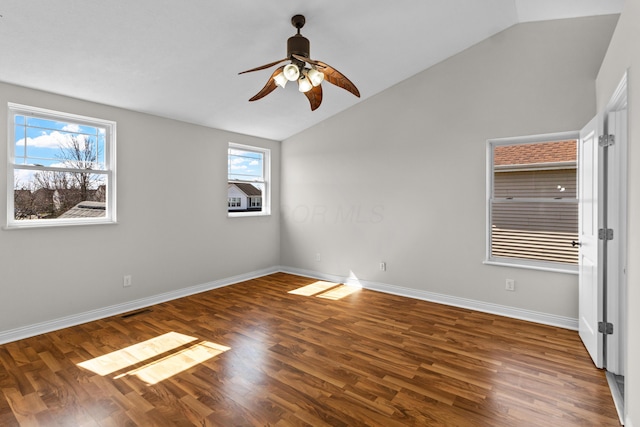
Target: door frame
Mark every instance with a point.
(615, 306)
(615, 122)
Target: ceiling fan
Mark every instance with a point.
(309, 77)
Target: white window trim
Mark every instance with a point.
(514, 262)
(266, 196)
(110, 164)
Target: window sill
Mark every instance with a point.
(48, 224)
(246, 214)
(568, 269)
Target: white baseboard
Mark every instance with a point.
(502, 310)
(101, 313)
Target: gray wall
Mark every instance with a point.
(623, 55)
(172, 231)
(375, 183)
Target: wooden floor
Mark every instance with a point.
(283, 351)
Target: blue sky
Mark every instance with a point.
(40, 142)
(245, 165)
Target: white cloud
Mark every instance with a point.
(71, 127)
(237, 163)
(52, 140)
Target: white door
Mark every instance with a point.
(590, 289)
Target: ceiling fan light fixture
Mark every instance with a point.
(291, 72)
(316, 77)
(304, 84)
(280, 80)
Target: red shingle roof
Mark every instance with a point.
(545, 152)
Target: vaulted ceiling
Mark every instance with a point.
(180, 59)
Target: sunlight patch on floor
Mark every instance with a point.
(162, 367)
(339, 292)
(327, 290)
(120, 359)
(175, 363)
(314, 288)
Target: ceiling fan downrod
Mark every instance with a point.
(298, 44)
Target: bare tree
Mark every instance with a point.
(81, 152)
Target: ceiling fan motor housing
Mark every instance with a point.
(298, 45)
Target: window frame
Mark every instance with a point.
(266, 180)
(518, 262)
(109, 171)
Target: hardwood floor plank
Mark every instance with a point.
(24, 407)
(283, 350)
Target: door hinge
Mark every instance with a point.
(606, 140)
(605, 328)
(605, 234)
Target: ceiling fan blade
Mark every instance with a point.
(315, 96)
(262, 67)
(331, 75)
(269, 87)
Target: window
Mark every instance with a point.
(61, 169)
(255, 202)
(532, 202)
(248, 180)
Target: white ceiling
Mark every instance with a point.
(180, 59)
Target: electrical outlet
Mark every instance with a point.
(510, 285)
(126, 281)
(318, 257)
(383, 266)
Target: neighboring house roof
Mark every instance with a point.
(247, 189)
(526, 154)
(86, 209)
